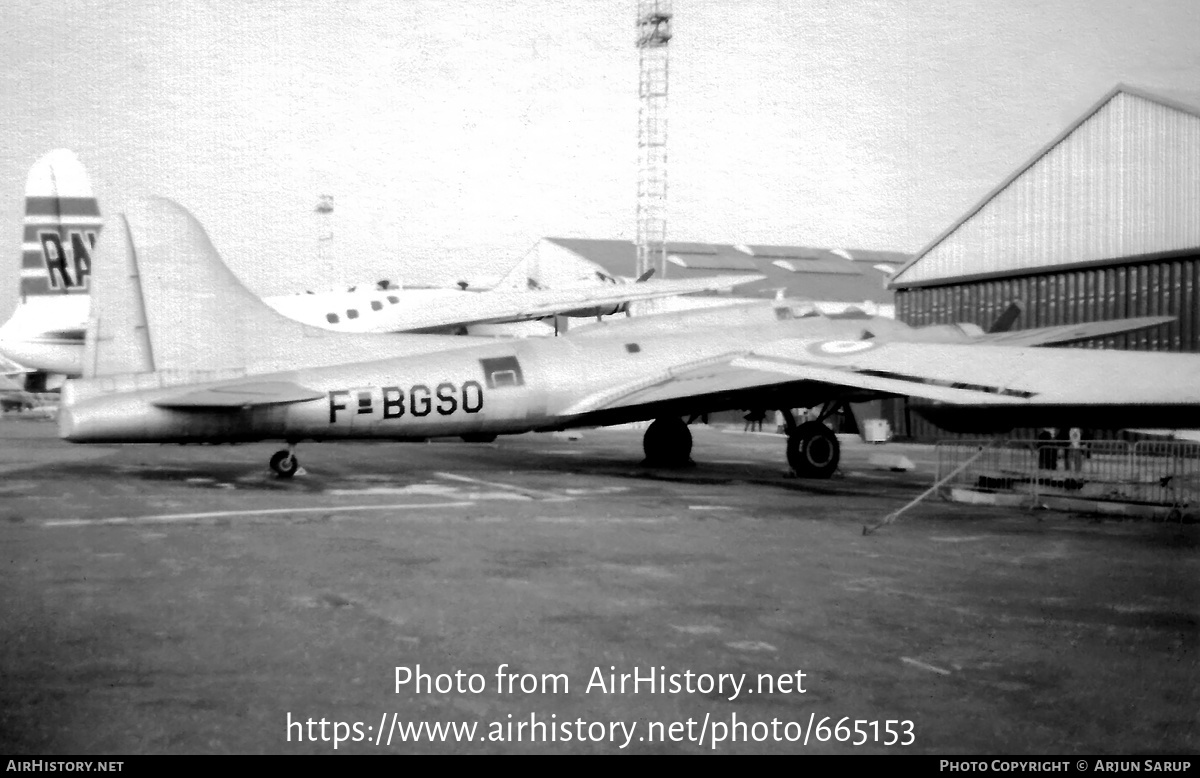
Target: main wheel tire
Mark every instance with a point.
(285, 464)
(813, 450)
(668, 443)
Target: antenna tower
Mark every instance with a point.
(654, 33)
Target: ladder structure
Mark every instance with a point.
(654, 33)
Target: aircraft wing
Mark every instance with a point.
(1070, 333)
(240, 395)
(507, 306)
(955, 374)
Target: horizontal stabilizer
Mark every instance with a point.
(242, 395)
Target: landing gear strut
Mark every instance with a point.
(812, 449)
(668, 443)
(284, 463)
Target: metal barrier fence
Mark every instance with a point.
(1148, 473)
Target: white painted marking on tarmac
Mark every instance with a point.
(603, 520)
(168, 518)
(436, 490)
(494, 484)
(498, 496)
(696, 629)
(709, 508)
(923, 666)
(752, 645)
(599, 490)
(962, 539)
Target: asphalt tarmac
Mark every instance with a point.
(181, 599)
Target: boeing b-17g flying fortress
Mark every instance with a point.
(63, 222)
(239, 371)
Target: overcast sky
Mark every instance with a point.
(453, 135)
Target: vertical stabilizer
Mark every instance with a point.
(199, 317)
(62, 224)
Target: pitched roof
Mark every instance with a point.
(897, 280)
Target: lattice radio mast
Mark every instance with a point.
(654, 33)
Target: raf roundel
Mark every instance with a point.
(840, 348)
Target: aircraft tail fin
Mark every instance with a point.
(166, 302)
(62, 224)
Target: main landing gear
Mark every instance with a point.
(668, 443)
(284, 463)
(813, 450)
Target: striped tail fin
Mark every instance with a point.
(62, 223)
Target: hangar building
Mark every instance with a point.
(837, 280)
(1102, 223)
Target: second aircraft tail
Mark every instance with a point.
(62, 224)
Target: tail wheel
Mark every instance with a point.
(285, 464)
(813, 450)
(668, 442)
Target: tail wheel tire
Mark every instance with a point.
(668, 442)
(285, 464)
(813, 450)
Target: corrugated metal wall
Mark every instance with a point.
(1159, 288)
(1124, 182)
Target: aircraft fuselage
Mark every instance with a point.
(507, 387)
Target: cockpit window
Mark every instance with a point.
(332, 318)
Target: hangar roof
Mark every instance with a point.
(837, 275)
(1121, 181)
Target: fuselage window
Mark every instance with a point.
(376, 305)
(393, 299)
(632, 348)
(501, 372)
(332, 318)
(502, 378)
(352, 314)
